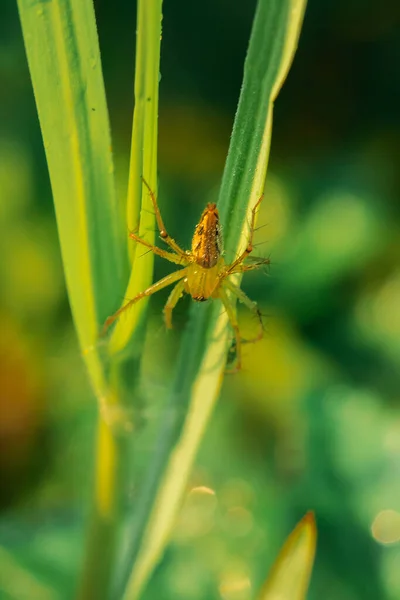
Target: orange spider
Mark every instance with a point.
(205, 274)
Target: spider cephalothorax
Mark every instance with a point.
(204, 274)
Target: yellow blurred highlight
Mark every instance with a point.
(281, 359)
(202, 489)
(32, 273)
(385, 527)
(235, 584)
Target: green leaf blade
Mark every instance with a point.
(64, 60)
(143, 163)
(290, 575)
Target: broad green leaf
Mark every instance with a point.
(64, 61)
(202, 357)
(290, 575)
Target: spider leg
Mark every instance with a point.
(172, 301)
(159, 285)
(251, 267)
(172, 257)
(160, 223)
(249, 247)
(230, 309)
(252, 306)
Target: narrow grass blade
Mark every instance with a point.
(201, 361)
(290, 575)
(64, 60)
(143, 163)
(126, 341)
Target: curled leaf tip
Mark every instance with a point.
(309, 519)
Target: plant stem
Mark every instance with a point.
(105, 518)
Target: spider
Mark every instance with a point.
(205, 273)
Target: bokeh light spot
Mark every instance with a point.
(385, 527)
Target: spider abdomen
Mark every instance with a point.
(201, 282)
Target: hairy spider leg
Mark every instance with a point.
(163, 232)
(173, 299)
(251, 267)
(231, 312)
(171, 256)
(249, 247)
(251, 305)
(159, 285)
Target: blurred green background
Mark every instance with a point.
(313, 420)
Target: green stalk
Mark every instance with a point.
(126, 341)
